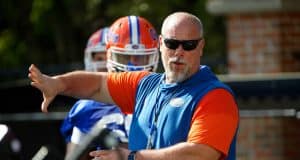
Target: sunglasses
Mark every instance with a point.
(187, 45)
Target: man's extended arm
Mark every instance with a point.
(79, 84)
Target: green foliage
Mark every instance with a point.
(55, 31)
(11, 50)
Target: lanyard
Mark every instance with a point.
(158, 108)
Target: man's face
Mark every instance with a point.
(181, 48)
(100, 57)
(132, 61)
(135, 60)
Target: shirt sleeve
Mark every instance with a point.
(215, 120)
(122, 87)
(77, 135)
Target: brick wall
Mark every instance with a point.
(290, 34)
(263, 37)
(269, 138)
(263, 42)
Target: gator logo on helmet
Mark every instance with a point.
(153, 34)
(113, 37)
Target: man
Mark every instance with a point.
(185, 113)
(86, 113)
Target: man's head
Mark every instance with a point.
(181, 46)
(95, 51)
(132, 44)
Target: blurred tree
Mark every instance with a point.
(54, 32)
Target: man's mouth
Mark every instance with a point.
(178, 63)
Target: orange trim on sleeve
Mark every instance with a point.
(215, 120)
(122, 87)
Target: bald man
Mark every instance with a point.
(184, 113)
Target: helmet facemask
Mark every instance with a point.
(132, 59)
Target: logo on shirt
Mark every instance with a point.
(176, 102)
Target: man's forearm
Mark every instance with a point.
(180, 151)
(81, 84)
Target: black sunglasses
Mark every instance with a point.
(187, 45)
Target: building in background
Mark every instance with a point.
(263, 53)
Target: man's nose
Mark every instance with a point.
(179, 51)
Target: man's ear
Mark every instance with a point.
(160, 39)
(202, 43)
